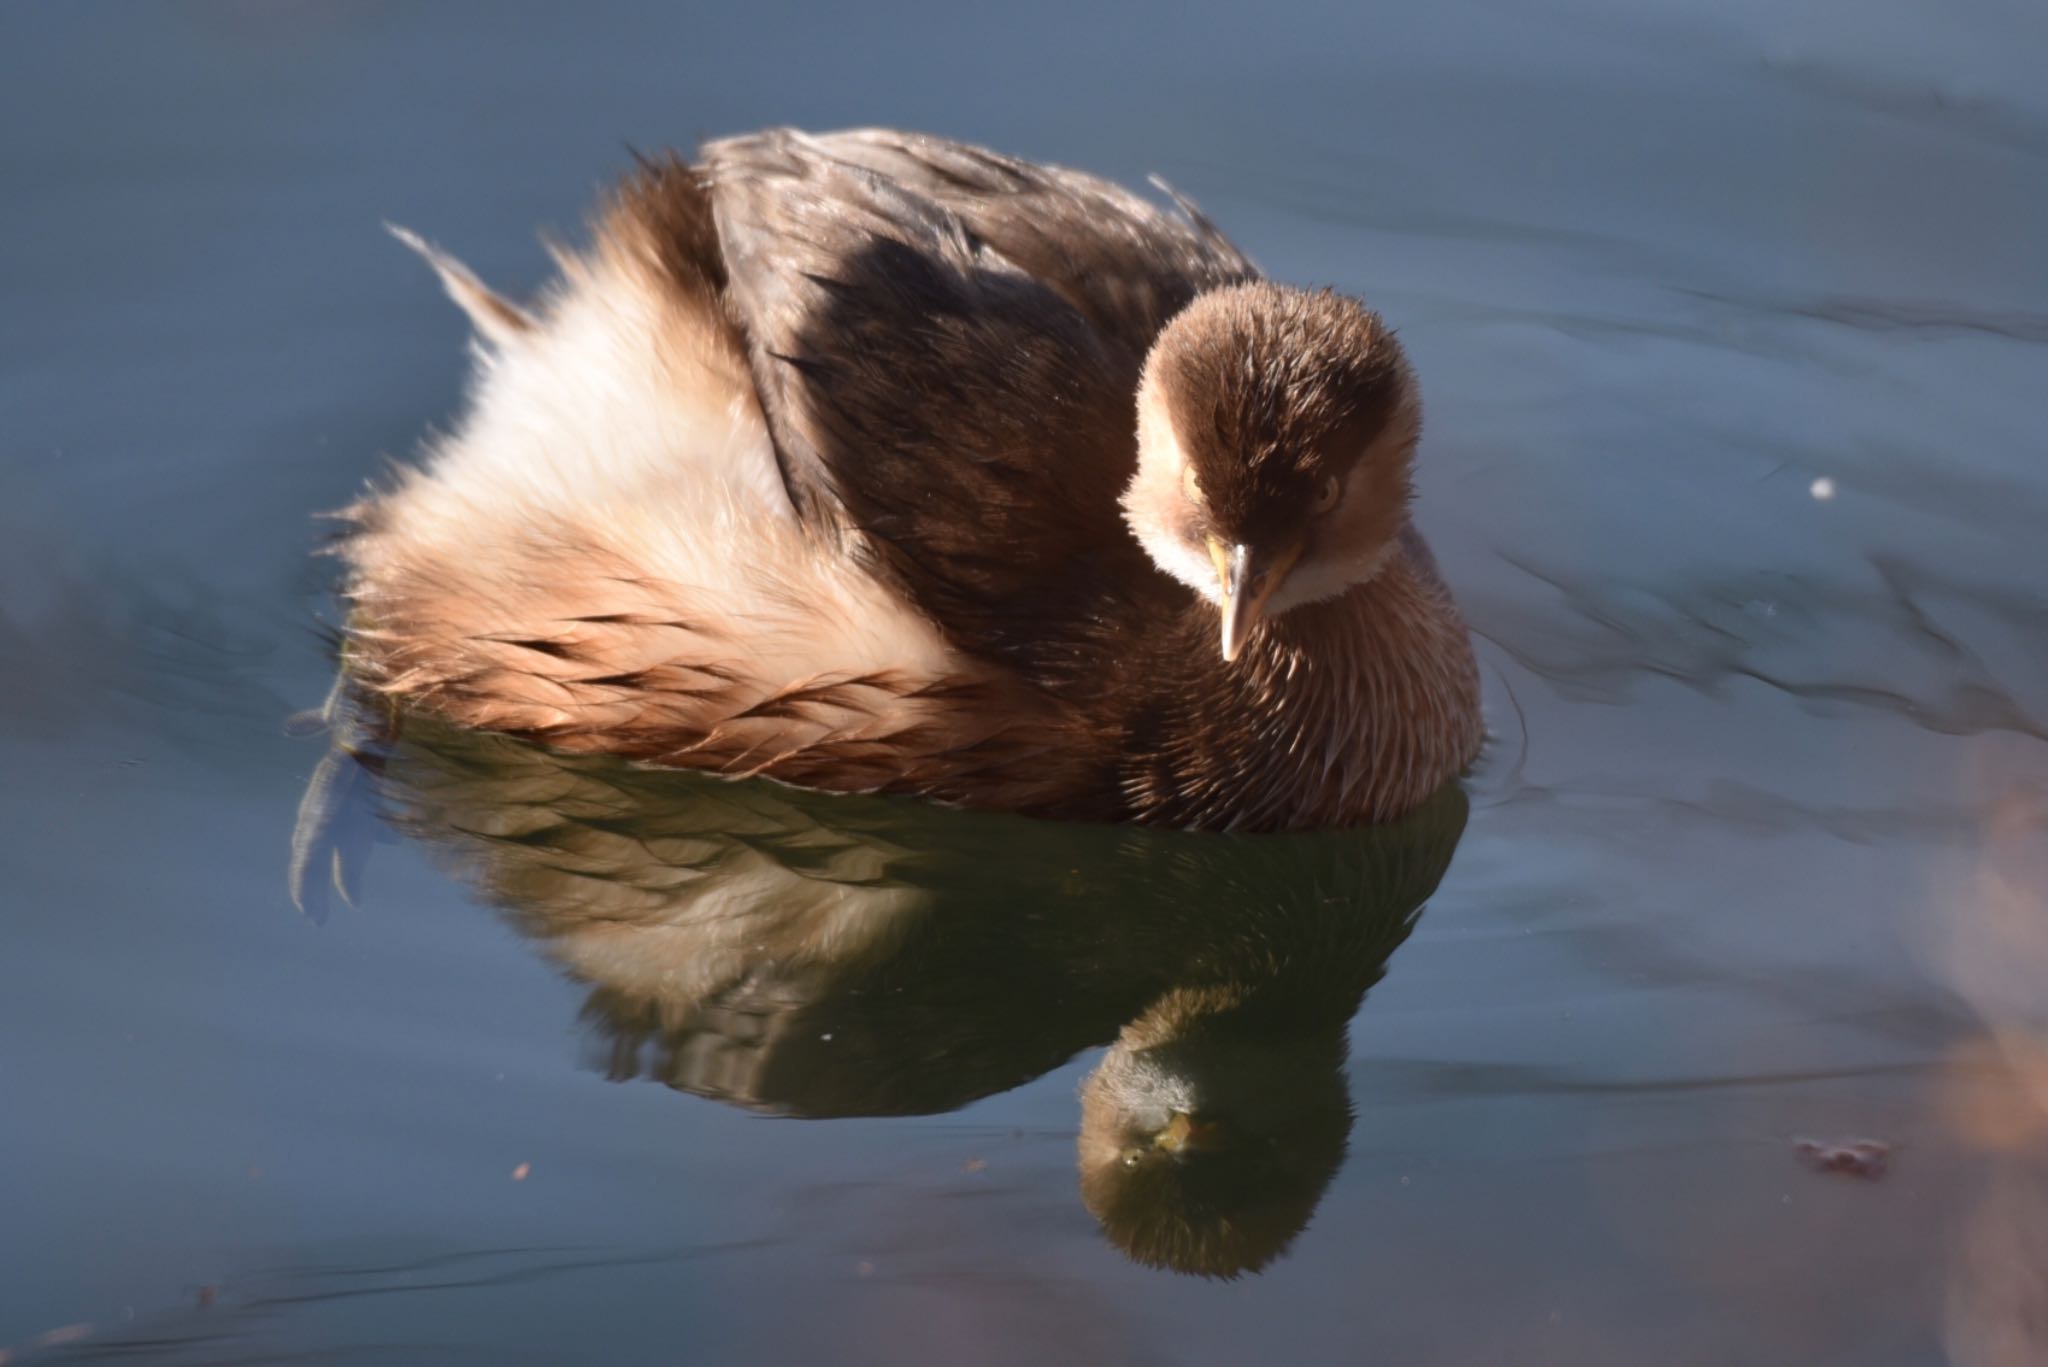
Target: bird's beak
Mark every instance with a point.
(1248, 580)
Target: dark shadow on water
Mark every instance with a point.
(822, 956)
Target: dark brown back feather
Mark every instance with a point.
(1125, 264)
(947, 345)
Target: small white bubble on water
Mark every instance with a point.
(1822, 488)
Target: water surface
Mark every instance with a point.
(1731, 327)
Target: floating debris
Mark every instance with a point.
(1865, 1158)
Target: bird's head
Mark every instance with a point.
(1276, 435)
(1212, 1127)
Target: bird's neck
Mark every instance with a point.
(1342, 712)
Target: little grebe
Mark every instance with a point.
(876, 462)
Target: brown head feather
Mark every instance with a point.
(1272, 391)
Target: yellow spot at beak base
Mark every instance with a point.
(1184, 1133)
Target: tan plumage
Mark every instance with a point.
(818, 464)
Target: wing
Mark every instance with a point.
(949, 374)
(1126, 264)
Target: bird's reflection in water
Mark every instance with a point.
(816, 955)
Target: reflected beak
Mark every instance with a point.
(1185, 1134)
(1247, 584)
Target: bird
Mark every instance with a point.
(876, 462)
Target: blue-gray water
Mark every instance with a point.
(1732, 321)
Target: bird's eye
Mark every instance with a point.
(1326, 495)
